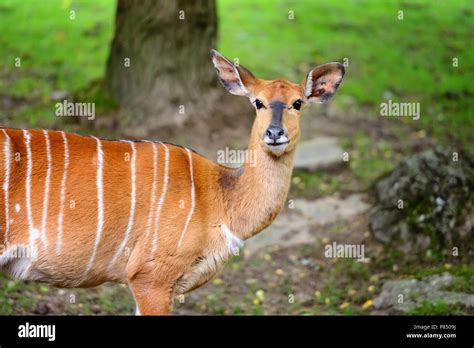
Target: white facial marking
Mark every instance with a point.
(44, 241)
(6, 181)
(282, 140)
(161, 200)
(132, 205)
(191, 211)
(63, 195)
(279, 147)
(100, 201)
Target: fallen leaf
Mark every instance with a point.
(344, 305)
(367, 304)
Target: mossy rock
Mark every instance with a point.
(427, 202)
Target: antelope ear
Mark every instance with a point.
(236, 79)
(322, 82)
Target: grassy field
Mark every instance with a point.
(407, 60)
(56, 53)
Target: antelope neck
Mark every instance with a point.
(254, 194)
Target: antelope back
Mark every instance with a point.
(80, 205)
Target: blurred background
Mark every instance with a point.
(400, 186)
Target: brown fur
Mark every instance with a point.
(246, 200)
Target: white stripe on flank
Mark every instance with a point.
(132, 205)
(162, 198)
(152, 194)
(6, 182)
(191, 211)
(63, 195)
(44, 241)
(100, 201)
(29, 167)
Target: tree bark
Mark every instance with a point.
(159, 68)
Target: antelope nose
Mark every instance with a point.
(274, 133)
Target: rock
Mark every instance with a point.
(95, 308)
(295, 226)
(288, 229)
(331, 208)
(427, 202)
(319, 153)
(251, 281)
(42, 308)
(403, 295)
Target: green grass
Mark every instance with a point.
(461, 270)
(462, 284)
(23, 297)
(369, 159)
(314, 185)
(57, 53)
(436, 308)
(409, 59)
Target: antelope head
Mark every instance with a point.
(278, 103)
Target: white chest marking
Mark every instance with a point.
(211, 262)
(233, 242)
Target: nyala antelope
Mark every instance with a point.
(79, 211)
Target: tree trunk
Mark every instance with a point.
(159, 68)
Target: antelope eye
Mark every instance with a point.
(258, 104)
(297, 104)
